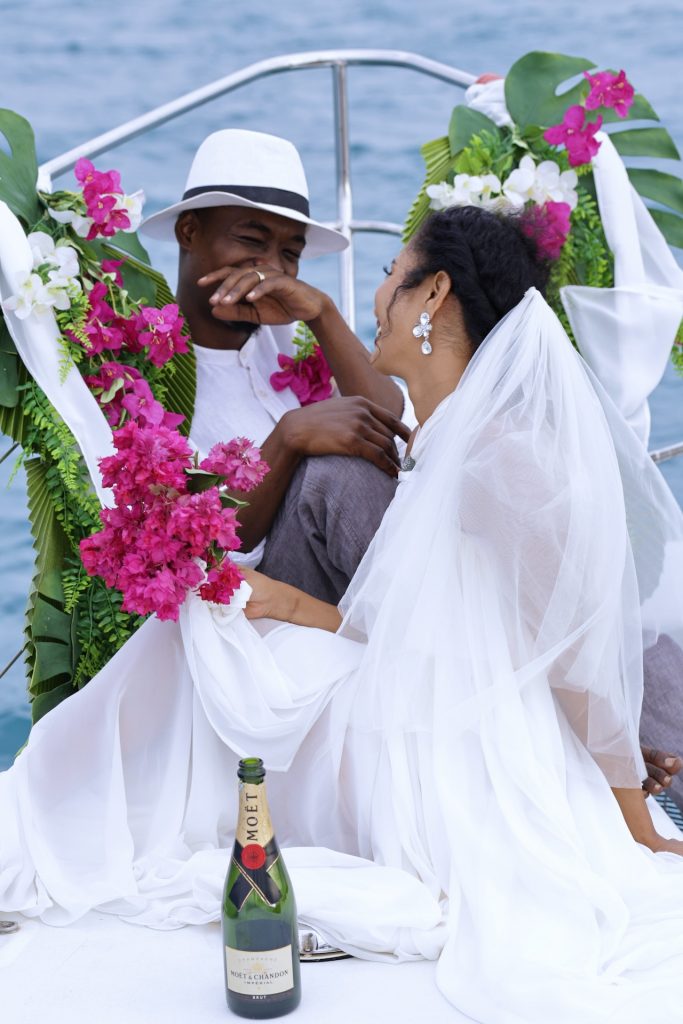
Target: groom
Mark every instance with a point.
(244, 219)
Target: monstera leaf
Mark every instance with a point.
(465, 123)
(19, 168)
(538, 92)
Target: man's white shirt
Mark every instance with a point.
(236, 399)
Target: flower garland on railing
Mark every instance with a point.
(520, 161)
(174, 523)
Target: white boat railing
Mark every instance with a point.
(339, 61)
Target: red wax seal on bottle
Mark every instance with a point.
(253, 856)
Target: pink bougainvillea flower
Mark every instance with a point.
(239, 461)
(221, 583)
(310, 379)
(161, 331)
(576, 134)
(156, 540)
(101, 555)
(146, 456)
(199, 519)
(161, 591)
(608, 90)
(549, 226)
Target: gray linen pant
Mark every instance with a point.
(329, 515)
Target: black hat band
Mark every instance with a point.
(257, 194)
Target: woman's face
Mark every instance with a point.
(396, 348)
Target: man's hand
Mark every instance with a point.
(278, 299)
(661, 767)
(345, 426)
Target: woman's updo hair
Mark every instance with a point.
(490, 261)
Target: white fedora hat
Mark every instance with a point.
(234, 167)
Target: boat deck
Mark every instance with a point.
(105, 971)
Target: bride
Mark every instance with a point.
(465, 726)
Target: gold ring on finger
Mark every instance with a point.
(260, 275)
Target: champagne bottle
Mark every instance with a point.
(260, 936)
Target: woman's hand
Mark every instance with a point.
(662, 845)
(273, 600)
(269, 599)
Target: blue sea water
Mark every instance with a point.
(76, 68)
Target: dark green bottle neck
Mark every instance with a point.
(251, 770)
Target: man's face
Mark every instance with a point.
(234, 236)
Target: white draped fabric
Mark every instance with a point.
(626, 333)
(441, 765)
(38, 345)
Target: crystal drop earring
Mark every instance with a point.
(422, 329)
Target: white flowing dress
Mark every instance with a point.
(440, 770)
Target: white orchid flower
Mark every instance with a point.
(132, 204)
(490, 185)
(62, 285)
(78, 222)
(467, 189)
(519, 184)
(32, 296)
(65, 258)
(42, 247)
(82, 225)
(567, 188)
(59, 296)
(62, 216)
(440, 195)
(555, 186)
